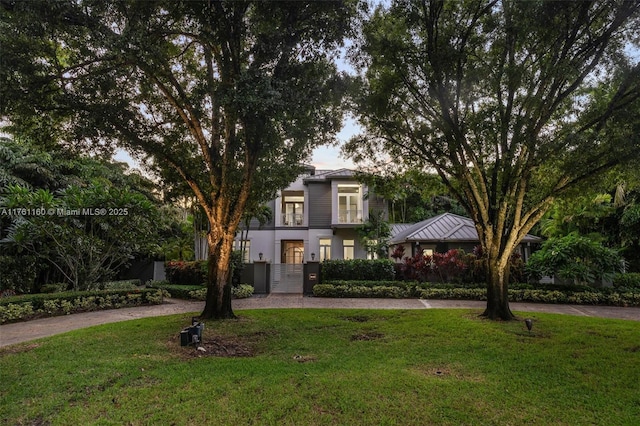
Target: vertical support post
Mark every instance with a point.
(311, 276)
(260, 277)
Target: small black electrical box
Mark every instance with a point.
(192, 335)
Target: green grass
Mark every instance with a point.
(331, 367)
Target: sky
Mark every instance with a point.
(329, 157)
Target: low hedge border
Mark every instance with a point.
(31, 306)
(624, 299)
(241, 291)
(608, 297)
(176, 291)
(198, 292)
(392, 292)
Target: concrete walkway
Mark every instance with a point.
(30, 330)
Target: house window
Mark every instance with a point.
(293, 208)
(325, 249)
(245, 247)
(349, 204)
(348, 249)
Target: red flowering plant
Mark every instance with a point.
(398, 253)
(417, 267)
(449, 266)
(186, 273)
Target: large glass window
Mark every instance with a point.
(349, 249)
(325, 249)
(349, 204)
(293, 209)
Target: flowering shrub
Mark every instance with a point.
(196, 272)
(186, 273)
(450, 266)
(417, 267)
(453, 266)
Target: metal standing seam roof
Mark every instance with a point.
(445, 227)
(322, 175)
(397, 228)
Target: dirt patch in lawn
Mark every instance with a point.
(366, 336)
(453, 371)
(304, 358)
(215, 346)
(361, 318)
(356, 318)
(17, 349)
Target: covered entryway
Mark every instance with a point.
(287, 276)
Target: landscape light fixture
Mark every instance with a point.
(529, 323)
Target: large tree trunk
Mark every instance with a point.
(218, 301)
(497, 289)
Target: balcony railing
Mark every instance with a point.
(350, 216)
(292, 219)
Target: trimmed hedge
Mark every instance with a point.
(628, 281)
(242, 291)
(175, 290)
(368, 283)
(20, 308)
(121, 285)
(198, 292)
(390, 292)
(559, 294)
(540, 296)
(358, 269)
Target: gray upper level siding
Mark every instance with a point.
(320, 205)
(377, 203)
(270, 225)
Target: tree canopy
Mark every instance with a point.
(510, 102)
(72, 219)
(225, 97)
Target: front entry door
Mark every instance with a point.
(292, 252)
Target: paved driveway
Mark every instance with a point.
(24, 331)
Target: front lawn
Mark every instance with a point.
(315, 367)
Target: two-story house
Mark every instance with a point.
(314, 219)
